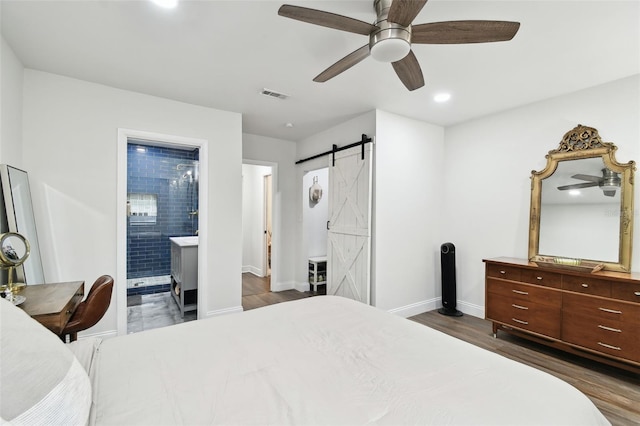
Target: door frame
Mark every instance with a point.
(268, 221)
(166, 140)
(275, 221)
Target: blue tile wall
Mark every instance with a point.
(156, 171)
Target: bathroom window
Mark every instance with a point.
(142, 209)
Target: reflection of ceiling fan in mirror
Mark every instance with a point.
(391, 35)
(608, 182)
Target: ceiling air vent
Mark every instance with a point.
(273, 94)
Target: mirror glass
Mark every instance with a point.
(582, 206)
(21, 219)
(577, 218)
(13, 249)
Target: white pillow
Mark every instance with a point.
(41, 381)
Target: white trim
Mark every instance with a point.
(471, 309)
(121, 215)
(254, 270)
(224, 311)
(275, 217)
(302, 286)
(290, 285)
(415, 308)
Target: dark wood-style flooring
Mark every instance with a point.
(256, 292)
(615, 392)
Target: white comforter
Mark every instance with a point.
(322, 360)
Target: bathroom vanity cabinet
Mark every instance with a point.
(184, 272)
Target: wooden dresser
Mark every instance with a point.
(596, 315)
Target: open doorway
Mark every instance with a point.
(162, 229)
(176, 186)
(315, 214)
(260, 237)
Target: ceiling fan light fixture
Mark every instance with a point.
(390, 50)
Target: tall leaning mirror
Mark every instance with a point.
(582, 206)
(19, 216)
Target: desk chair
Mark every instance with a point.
(91, 310)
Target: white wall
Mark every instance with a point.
(70, 139)
(11, 84)
(282, 154)
(408, 213)
(316, 214)
(253, 216)
(488, 163)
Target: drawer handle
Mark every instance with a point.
(637, 293)
(585, 285)
(520, 321)
(611, 311)
(539, 278)
(503, 272)
(520, 292)
(604, 327)
(520, 307)
(610, 346)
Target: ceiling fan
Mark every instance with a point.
(392, 33)
(608, 182)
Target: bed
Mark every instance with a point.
(321, 360)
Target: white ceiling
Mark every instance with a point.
(220, 54)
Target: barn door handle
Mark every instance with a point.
(327, 225)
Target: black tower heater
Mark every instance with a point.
(448, 265)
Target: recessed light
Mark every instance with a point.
(442, 97)
(574, 192)
(167, 4)
(288, 125)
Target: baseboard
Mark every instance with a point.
(304, 286)
(252, 270)
(471, 309)
(225, 311)
(290, 285)
(415, 308)
(430, 305)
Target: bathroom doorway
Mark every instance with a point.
(162, 209)
(162, 183)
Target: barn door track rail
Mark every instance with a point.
(335, 149)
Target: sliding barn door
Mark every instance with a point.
(349, 238)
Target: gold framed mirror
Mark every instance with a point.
(581, 212)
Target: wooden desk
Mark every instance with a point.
(52, 304)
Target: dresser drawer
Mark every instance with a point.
(525, 293)
(537, 318)
(504, 272)
(601, 309)
(544, 278)
(626, 291)
(587, 285)
(608, 336)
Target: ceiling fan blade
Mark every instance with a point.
(409, 71)
(590, 178)
(326, 19)
(343, 64)
(578, 186)
(403, 12)
(458, 32)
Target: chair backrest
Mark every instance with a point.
(93, 308)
